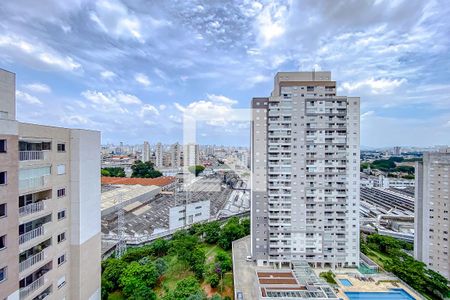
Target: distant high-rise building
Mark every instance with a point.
(159, 154)
(50, 241)
(431, 220)
(191, 155)
(305, 173)
(175, 155)
(397, 151)
(146, 152)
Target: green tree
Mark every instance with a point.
(211, 232)
(136, 274)
(107, 287)
(197, 262)
(184, 246)
(245, 223)
(224, 261)
(405, 169)
(184, 289)
(213, 280)
(113, 172)
(196, 169)
(160, 265)
(144, 170)
(160, 247)
(113, 269)
(231, 231)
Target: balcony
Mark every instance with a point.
(31, 155)
(35, 285)
(32, 208)
(33, 183)
(32, 260)
(30, 235)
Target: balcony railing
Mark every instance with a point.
(31, 183)
(32, 260)
(28, 236)
(31, 208)
(31, 155)
(25, 291)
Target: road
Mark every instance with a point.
(244, 271)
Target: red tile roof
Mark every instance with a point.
(160, 181)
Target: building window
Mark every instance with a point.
(61, 259)
(2, 146)
(61, 192)
(3, 177)
(61, 215)
(2, 274)
(61, 169)
(61, 147)
(61, 282)
(2, 210)
(2, 242)
(61, 237)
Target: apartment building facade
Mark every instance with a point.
(49, 192)
(175, 155)
(305, 173)
(431, 220)
(159, 155)
(146, 152)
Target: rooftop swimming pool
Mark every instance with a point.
(393, 294)
(346, 282)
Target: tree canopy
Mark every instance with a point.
(196, 169)
(144, 170)
(113, 172)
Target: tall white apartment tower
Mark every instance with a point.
(431, 220)
(50, 240)
(159, 155)
(146, 152)
(175, 155)
(305, 173)
(191, 155)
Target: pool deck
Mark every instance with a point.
(359, 285)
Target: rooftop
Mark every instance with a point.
(160, 181)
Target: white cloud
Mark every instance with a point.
(270, 23)
(75, 120)
(376, 86)
(115, 19)
(147, 108)
(162, 107)
(37, 87)
(24, 97)
(108, 75)
(114, 101)
(41, 54)
(142, 79)
(221, 99)
(367, 114)
(216, 111)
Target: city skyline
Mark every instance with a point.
(127, 69)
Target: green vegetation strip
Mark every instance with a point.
(195, 264)
(388, 253)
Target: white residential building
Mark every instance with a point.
(49, 207)
(431, 239)
(191, 155)
(175, 155)
(146, 152)
(305, 173)
(159, 155)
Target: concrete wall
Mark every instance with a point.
(85, 213)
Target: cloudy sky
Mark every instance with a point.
(130, 68)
